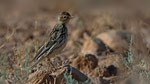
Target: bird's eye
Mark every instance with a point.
(65, 16)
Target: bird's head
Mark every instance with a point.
(64, 17)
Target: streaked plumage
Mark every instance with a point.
(56, 41)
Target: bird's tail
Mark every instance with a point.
(34, 62)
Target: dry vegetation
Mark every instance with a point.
(109, 41)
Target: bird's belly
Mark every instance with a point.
(60, 48)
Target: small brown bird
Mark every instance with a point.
(56, 41)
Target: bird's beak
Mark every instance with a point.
(71, 17)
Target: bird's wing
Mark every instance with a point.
(49, 45)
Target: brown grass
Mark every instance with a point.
(26, 22)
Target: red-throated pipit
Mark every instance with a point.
(56, 40)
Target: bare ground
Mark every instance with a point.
(99, 37)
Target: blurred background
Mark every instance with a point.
(111, 30)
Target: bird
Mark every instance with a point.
(56, 40)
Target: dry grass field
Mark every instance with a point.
(109, 40)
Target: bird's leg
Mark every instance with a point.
(50, 64)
